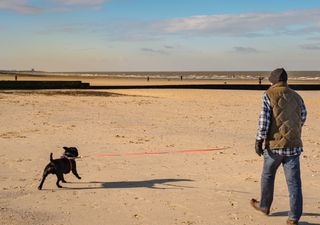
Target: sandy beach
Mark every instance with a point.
(134, 168)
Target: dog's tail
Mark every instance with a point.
(51, 159)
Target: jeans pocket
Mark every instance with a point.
(267, 153)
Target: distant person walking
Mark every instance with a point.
(280, 123)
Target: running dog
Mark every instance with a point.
(61, 166)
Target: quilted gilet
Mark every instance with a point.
(286, 122)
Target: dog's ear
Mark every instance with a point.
(65, 148)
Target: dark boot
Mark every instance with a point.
(256, 205)
(292, 222)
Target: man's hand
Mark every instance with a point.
(258, 147)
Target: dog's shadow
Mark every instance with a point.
(153, 184)
(301, 222)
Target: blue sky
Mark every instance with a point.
(166, 35)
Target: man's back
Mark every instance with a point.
(286, 121)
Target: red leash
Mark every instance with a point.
(160, 153)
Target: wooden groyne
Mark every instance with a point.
(209, 86)
(34, 85)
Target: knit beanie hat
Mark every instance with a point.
(278, 75)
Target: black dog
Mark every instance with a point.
(61, 166)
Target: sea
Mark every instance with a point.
(201, 75)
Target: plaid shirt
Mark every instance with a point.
(264, 124)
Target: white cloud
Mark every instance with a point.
(246, 24)
(82, 2)
(20, 6)
(28, 7)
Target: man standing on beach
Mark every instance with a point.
(280, 123)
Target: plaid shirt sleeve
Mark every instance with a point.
(264, 118)
(303, 113)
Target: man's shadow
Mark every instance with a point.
(132, 184)
(300, 222)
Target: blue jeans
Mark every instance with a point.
(291, 166)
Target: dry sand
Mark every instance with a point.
(145, 189)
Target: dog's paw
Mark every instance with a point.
(79, 178)
(39, 188)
